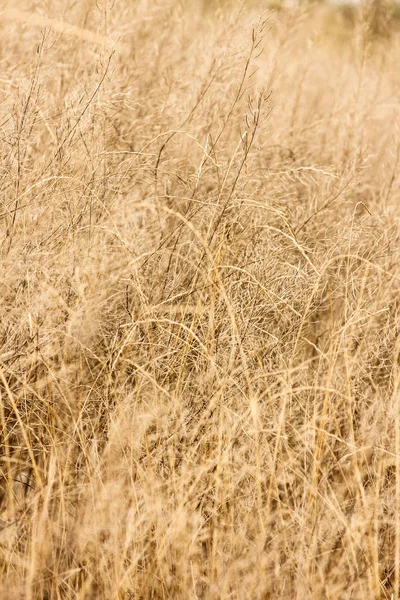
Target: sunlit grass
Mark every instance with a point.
(199, 360)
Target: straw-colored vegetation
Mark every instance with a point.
(199, 360)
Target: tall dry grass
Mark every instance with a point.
(200, 281)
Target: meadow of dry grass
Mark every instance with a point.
(199, 359)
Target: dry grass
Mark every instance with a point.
(200, 282)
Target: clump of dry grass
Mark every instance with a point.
(199, 369)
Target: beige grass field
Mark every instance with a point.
(200, 310)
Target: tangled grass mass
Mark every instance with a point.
(199, 333)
